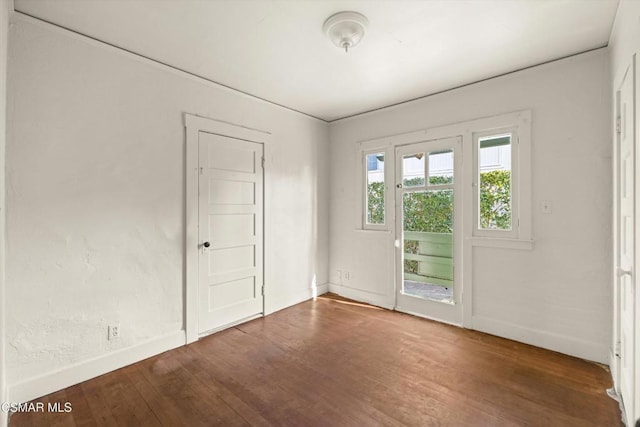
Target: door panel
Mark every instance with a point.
(230, 222)
(428, 230)
(227, 227)
(626, 242)
(226, 191)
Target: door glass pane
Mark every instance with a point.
(441, 167)
(494, 157)
(375, 188)
(428, 245)
(413, 170)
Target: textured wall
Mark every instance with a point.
(95, 197)
(557, 295)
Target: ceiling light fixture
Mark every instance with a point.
(345, 29)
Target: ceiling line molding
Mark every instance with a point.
(87, 38)
(98, 42)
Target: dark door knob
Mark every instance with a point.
(206, 244)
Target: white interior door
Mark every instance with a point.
(428, 229)
(230, 223)
(626, 242)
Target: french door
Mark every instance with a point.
(428, 229)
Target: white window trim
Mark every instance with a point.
(519, 125)
(519, 122)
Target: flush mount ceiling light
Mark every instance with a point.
(345, 29)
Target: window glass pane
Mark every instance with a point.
(441, 167)
(375, 188)
(495, 182)
(428, 244)
(372, 162)
(413, 170)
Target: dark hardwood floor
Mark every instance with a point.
(332, 362)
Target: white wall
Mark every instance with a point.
(557, 295)
(623, 44)
(5, 7)
(95, 163)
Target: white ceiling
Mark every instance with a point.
(276, 50)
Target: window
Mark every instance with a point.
(496, 181)
(375, 189)
(497, 194)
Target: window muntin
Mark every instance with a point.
(516, 124)
(441, 167)
(413, 170)
(375, 189)
(437, 166)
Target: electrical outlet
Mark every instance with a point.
(346, 275)
(114, 332)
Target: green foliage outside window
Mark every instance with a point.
(375, 203)
(432, 211)
(495, 200)
(429, 211)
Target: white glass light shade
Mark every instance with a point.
(345, 29)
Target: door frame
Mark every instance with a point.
(193, 125)
(441, 311)
(631, 408)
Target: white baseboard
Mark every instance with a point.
(322, 289)
(273, 304)
(613, 367)
(362, 296)
(561, 343)
(48, 383)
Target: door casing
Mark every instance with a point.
(442, 312)
(193, 125)
(631, 406)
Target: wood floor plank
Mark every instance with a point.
(337, 362)
(325, 392)
(58, 416)
(161, 404)
(81, 410)
(199, 406)
(200, 368)
(344, 370)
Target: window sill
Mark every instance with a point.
(492, 242)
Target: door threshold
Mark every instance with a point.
(230, 325)
(435, 319)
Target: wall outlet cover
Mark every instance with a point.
(114, 332)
